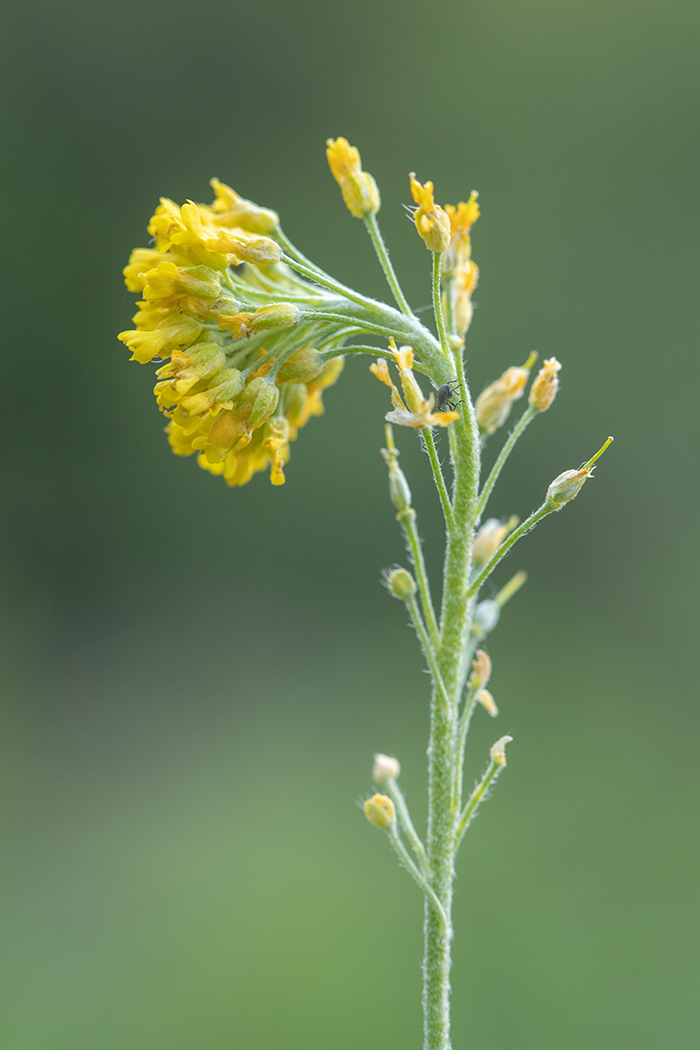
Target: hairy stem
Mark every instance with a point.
(408, 523)
(519, 428)
(383, 256)
(437, 304)
(439, 477)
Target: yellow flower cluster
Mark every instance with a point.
(229, 398)
(459, 271)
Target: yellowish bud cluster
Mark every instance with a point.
(380, 811)
(401, 584)
(493, 404)
(459, 271)
(238, 416)
(359, 189)
(432, 221)
(545, 386)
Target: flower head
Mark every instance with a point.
(417, 411)
(432, 221)
(493, 405)
(359, 189)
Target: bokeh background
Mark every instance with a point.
(195, 679)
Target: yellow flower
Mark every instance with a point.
(431, 220)
(457, 266)
(140, 260)
(232, 210)
(276, 315)
(359, 189)
(170, 334)
(166, 279)
(417, 412)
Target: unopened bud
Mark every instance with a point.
(401, 584)
(493, 404)
(568, 485)
(544, 389)
(258, 401)
(380, 811)
(481, 670)
(301, 367)
(498, 751)
(488, 539)
(399, 492)
(385, 768)
(432, 221)
(487, 701)
(259, 250)
(359, 189)
(486, 617)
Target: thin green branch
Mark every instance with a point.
(429, 652)
(476, 798)
(462, 731)
(383, 256)
(529, 523)
(437, 304)
(357, 322)
(407, 824)
(429, 439)
(415, 874)
(519, 428)
(407, 519)
(328, 282)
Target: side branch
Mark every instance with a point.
(407, 824)
(429, 652)
(519, 428)
(383, 256)
(477, 797)
(448, 514)
(408, 523)
(529, 523)
(415, 874)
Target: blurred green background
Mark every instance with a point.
(195, 678)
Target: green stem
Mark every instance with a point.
(408, 523)
(429, 653)
(433, 903)
(357, 322)
(529, 523)
(328, 282)
(383, 256)
(429, 439)
(407, 824)
(463, 729)
(437, 304)
(519, 428)
(477, 797)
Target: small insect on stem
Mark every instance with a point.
(445, 397)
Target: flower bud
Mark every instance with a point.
(259, 250)
(488, 539)
(257, 402)
(432, 221)
(481, 670)
(359, 189)
(544, 389)
(486, 700)
(401, 584)
(399, 492)
(498, 751)
(568, 485)
(493, 404)
(385, 768)
(486, 616)
(380, 811)
(276, 315)
(301, 367)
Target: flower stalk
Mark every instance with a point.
(252, 333)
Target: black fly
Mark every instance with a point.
(445, 398)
